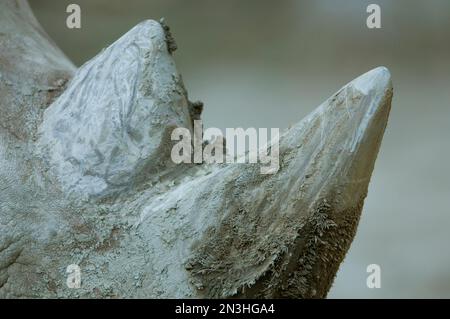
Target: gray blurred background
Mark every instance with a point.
(268, 64)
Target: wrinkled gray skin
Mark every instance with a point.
(86, 178)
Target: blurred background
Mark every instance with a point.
(269, 63)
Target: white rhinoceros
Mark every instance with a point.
(86, 178)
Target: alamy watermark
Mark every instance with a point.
(73, 20)
(238, 146)
(73, 276)
(374, 19)
(374, 279)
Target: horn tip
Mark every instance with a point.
(378, 79)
